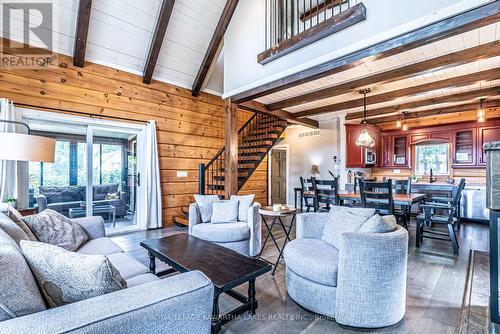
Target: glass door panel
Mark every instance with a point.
(114, 178)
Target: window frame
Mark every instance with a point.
(448, 158)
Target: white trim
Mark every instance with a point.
(439, 15)
(282, 147)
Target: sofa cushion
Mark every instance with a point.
(14, 231)
(313, 259)
(205, 204)
(101, 246)
(53, 228)
(66, 277)
(224, 212)
(62, 194)
(339, 222)
(19, 293)
(17, 218)
(127, 265)
(101, 191)
(245, 203)
(378, 224)
(229, 232)
(141, 279)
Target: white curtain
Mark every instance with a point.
(8, 168)
(151, 181)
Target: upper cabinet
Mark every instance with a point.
(395, 152)
(464, 148)
(485, 135)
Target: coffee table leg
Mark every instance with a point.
(216, 322)
(252, 302)
(152, 264)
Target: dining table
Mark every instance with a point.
(399, 199)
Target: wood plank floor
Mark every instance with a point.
(436, 283)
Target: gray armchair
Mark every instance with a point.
(243, 237)
(362, 284)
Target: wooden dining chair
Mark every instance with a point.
(327, 193)
(402, 212)
(308, 194)
(436, 214)
(377, 195)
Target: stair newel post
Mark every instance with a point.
(231, 149)
(201, 179)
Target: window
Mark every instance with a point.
(432, 156)
(108, 164)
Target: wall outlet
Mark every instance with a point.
(396, 171)
(182, 174)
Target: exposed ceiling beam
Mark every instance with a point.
(220, 30)
(256, 106)
(436, 111)
(480, 52)
(460, 81)
(472, 19)
(460, 97)
(166, 9)
(82, 32)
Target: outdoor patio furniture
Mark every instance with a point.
(96, 210)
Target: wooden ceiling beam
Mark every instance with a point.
(489, 104)
(220, 30)
(473, 54)
(257, 106)
(472, 19)
(460, 97)
(166, 9)
(460, 81)
(82, 32)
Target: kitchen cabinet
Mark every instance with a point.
(355, 155)
(395, 152)
(464, 148)
(486, 134)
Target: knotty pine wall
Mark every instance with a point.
(190, 130)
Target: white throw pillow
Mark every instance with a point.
(339, 222)
(66, 277)
(246, 203)
(206, 204)
(225, 212)
(378, 224)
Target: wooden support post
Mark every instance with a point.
(231, 144)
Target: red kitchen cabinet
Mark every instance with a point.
(464, 148)
(355, 155)
(486, 135)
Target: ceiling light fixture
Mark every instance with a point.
(405, 125)
(481, 112)
(364, 138)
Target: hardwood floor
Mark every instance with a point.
(436, 283)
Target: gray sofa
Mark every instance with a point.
(362, 284)
(243, 237)
(179, 304)
(61, 199)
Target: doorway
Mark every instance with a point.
(278, 178)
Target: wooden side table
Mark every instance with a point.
(267, 212)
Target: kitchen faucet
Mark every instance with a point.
(432, 179)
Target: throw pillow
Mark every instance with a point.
(365, 212)
(12, 230)
(17, 218)
(246, 203)
(225, 212)
(378, 224)
(53, 228)
(112, 196)
(206, 204)
(67, 277)
(340, 222)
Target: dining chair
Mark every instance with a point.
(402, 212)
(327, 193)
(377, 195)
(308, 194)
(436, 213)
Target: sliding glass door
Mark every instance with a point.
(96, 171)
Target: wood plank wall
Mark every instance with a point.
(190, 130)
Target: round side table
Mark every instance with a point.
(276, 217)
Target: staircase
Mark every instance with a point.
(255, 139)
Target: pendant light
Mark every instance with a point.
(399, 123)
(481, 112)
(364, 139)
(405, 125)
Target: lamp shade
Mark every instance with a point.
(22, 147)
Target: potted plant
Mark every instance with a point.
(11, 201)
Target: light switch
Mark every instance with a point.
(182, 174)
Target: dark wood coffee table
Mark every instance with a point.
(224, 267)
